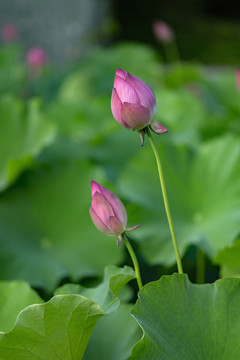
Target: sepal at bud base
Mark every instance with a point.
(132, 228)
(158, 128)
(142, 135)
(119, 240)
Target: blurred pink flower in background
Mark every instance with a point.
(163, 31)
(36, 57)
(237, 75)
(9, 32)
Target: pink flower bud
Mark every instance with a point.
(237, 74)
(163, 32)
(133, 103)
(9, 32)
(36, 57)
(108, 212)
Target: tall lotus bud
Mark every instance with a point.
(108, 212)
(36, 57)
(9, 32)
(163, 32)
(133, 102)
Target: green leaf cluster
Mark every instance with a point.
(59, 299)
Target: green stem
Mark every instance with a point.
(134, 260)
(200, 266)
(165, 199)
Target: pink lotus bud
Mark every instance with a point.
(237, 74)
(9, 32)
(108, 212)
(163, 32)
(36, 57)
(133, 103)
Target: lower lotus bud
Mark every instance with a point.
(108, 212)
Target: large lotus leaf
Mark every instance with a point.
(45, 229)
(95, 129)
(229, 260)
(24, 132)
(86, 120)
(182, 113)
(14, 297)
(221, 97)
(105, 293)
(204, 194)
(58, 329)
(114, 336)
(223, 86)
(184, 321)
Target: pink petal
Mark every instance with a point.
(121, 73)
(136, 116)
(145, 93)
(99, 224)
(95, 187)
(116, 106)
(102, 208)
(116, 225)
(158, 128)
(126, 91)
(116, 204)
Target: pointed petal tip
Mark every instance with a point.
(132, 228)
(93, 182)
(95, 187)
(121, 73)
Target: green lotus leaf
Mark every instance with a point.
(105, 293)
(14, 297)
(186, 321)
(46, 232)
(114, 336)
(58, 329)
(229, 260)
(24, 132)
(182, 113)
(204, 195)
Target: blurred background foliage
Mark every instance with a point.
(207, 31)
(57, 133)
